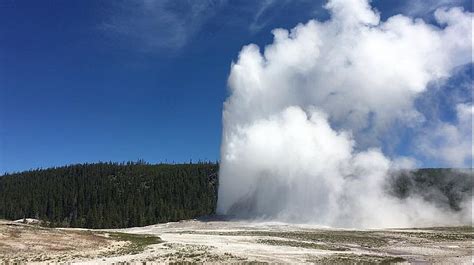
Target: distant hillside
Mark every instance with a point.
(110, 195)
(445, 187)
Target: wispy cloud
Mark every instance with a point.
(261, 17)
(446, 135)
(450, 143)
(156, 25)
(266, 11)
(421, 8)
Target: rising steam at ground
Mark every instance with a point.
(306, 117)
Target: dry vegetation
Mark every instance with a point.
(33, 243)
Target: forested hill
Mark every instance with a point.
(444, 187)
(110, 195)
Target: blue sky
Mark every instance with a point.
(83, 81)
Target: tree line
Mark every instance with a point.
(116, 195)
(110, 195)
(445, 187)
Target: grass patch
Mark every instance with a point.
(365, 238)
(368, 239)
(441, 236)
(137, 244)
(300, 244)
(455, 229)
(359, 259)
(190, 254)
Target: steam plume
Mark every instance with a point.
(304, 118)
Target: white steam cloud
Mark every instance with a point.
(302, 124)
(450, 143)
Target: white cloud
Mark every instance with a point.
(300, 111)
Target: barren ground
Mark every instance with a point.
(235, 241)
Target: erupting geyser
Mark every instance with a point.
(304, 123)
